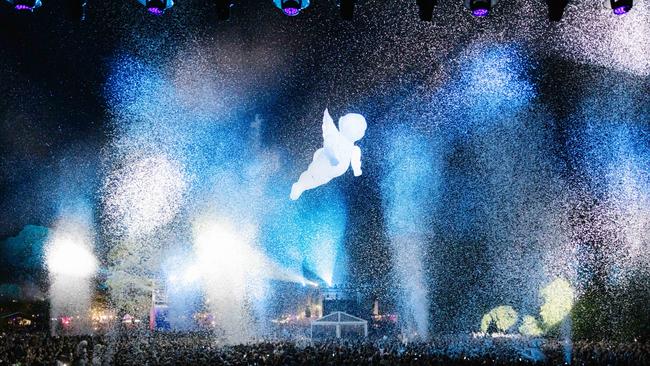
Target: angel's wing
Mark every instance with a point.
(329, 128)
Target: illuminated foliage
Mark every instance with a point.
(558, 300)
(530, 327)
(504, 317)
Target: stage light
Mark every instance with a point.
(426, 9)
(25, 5)
(347, 9)
(620, 7)
(480, 8)
(291, 7)
(223, 9)
(157, 7)
(70, 257)
(556, 9)
(223, 253)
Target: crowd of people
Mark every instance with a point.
(170, 348)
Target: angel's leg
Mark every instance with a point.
(318, 173)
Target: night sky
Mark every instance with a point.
(507, 126)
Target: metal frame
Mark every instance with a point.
(338, 323)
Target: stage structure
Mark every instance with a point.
(345, 299)
(159, 308)
(339, 325)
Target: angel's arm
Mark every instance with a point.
(355, 161)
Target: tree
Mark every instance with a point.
(23, 255)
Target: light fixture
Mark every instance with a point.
(26, 5)
(157, 7)
(291, 7)
(620, 7)
(480, 8)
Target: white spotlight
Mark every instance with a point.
(220, 249)
(68, 257)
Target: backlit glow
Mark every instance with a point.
(155, 11)
(291, 11)
(620, 10)
(221, 250)
(70, 257)
(480, 12)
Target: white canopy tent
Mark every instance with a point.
(339, 320)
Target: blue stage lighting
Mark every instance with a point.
(291, 7)
(157, 7)
(25, 5)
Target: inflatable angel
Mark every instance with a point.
(336, 155)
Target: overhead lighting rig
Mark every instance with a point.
(291, 8)
(25, 5)
(621, 7)
(157, 7)
(480, 8)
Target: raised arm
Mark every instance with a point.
(355, 161)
